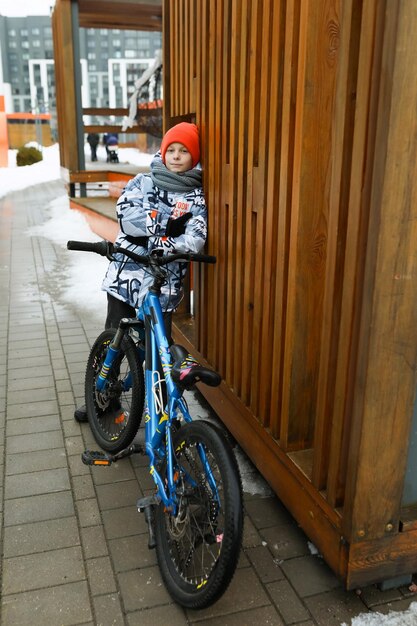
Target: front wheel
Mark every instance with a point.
(115, 413)
(198, 548)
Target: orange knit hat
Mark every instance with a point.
(184, 133)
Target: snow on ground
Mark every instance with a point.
(83, 272)
(13, 178)
(126, 155)
(393, 618)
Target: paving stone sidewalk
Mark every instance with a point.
(74, 547)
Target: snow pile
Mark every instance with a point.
(14, 178)
(83, 272)
(393, 618)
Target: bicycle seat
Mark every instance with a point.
(186, 371)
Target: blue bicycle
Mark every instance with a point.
(195, 516)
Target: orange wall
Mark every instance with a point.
(4, 145)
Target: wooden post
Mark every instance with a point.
(387, 347)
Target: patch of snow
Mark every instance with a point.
(393, 618)
(83, 272)
(14, 178)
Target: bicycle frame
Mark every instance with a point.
(158, 418)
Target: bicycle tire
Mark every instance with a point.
(114, 415)
(198, 550)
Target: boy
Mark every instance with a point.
(162, 210)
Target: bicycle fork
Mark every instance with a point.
(113, 351)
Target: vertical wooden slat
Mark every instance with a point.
(204, 136)
(295, 206)
(233, 255)
(210, 173)
(250, 224)
(309, 230)
(240, 198)
(285, 123)
(266, 182)
(367, 83)
(221, 269)
(167, 52)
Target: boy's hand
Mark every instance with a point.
(176, 226)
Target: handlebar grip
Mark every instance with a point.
(99, 247)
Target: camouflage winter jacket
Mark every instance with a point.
(143, 210)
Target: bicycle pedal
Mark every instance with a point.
(92, 457)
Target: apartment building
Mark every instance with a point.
(111, 61)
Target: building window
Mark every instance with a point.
(36, 43)
(24, 32)
(35, 31)
(12, 32)
(130, 54)
(91, 55)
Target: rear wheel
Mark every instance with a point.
(198, 548)
(115, 413)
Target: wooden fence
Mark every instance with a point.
(307, 111)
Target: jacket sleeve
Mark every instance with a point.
(133, 210)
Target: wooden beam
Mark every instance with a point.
(108, 128)
(123, 15)
(118, 112)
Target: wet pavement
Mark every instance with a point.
(74, 546)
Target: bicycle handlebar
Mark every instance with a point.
(100, 247)
(106, 248)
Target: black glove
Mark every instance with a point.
(176, 225)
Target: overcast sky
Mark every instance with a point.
(21, 8)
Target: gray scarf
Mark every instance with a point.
(171, 181)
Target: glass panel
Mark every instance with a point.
(410, 483)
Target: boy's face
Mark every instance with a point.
(177, 158)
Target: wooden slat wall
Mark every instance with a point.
(273, 93)
(295, 102)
